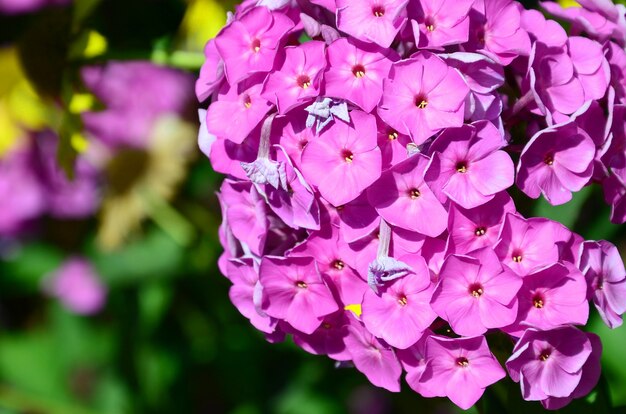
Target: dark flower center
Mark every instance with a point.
(462, 362)
(358, 70)
(476, 290)
(421, 102)
(303, 81)
(461, 167)
(517, 256)
(338, 264)
(247, 101)
(255, 45)
(347, 156)
(414, 193)
(301, 284)
(378, 10)
(538, 301)
(480, 231)
(429, 22)
(549, 159)
(545, 354)
(392, 135)
(402, 300)
(326, 325)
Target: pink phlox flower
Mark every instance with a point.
(422, 96)
(293, 201)
(299, 78)
(484, 77)
(377, 21)
(226, 156)
(332, 256)
(328, 339)
(211, 73)
(413, 361)
(525, 245)
(358, 219)
(237, 110)
(344, 160)
(617, 63)
(549, 363)
(434, 252)
(374, 358)
(603, 268)
(439, 23)
(468, 165)
(324, 110)
(292, 134)
(293, 290)
(251, 43)
(591, 371)
(77, 286)
(599, 19)
(460, 368)
(556, 162)
(545, 31)
(356, 72)
(478, 227)
(496, 32)
(551, 297)
(475, 293)
(244, 274)
(392, 144)
(402, 198)
(246, 213)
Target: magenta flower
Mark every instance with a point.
(403, 199)
(11, 7)
(526, 244)
(237, 111)
(357, 219)
(373, 357)
(401, 313)
(556, 162)
(226, 156)
(333, 258)
(356, 72)
(377, 21)
(77, 285)
(211, 73)
(293, 135)
(439, 23)
(344, 160)
(552, 297)
(244, 274)
(392, 144)
(414, 362)
(246, 214)
(293, 290)
(475, 293)
(250, 44)
(298, 79)
(422, 96)
(468, 166)
(549, 363)
(603, 268)
(477, 227)
(460, 368)
(495, 31)
(328, 339)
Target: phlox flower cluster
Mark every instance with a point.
(369, 146)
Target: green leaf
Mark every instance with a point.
(24, 271)
(566, 213)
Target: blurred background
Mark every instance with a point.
(110, 297)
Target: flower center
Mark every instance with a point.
(247, 101)
(538, 301)
(347, 156)
(517, 256)
(476, 289)
(392, 135)
(429, 23)
(549, 159)
(326, 325)
(303, 81)
(480, 231)
(255, 45)
(378, 10)
(414, 193)
(545, 354)
(358, 70)
(461, 167)
(338, 264)
(462, 362)
(402, 300)
(303, 143)
(421, 102)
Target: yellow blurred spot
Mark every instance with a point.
(96, 44)
(79, 142)
(81, 102)
(202, 21)
(10, 71)
(569, 3)
(9, 133)
(26, 107)
(354, 308)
